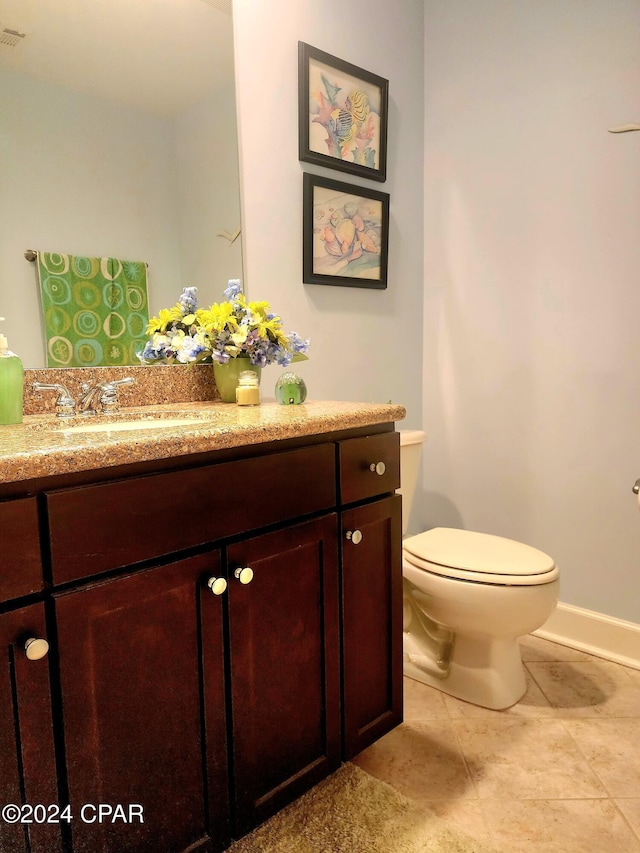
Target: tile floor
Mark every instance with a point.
(557, 773)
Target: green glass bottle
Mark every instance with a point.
(11, 384)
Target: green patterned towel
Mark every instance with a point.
(96, 310)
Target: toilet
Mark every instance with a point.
(467, 598)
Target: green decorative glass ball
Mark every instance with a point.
(291, 389)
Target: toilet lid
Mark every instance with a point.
(479, 557)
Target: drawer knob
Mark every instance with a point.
(354, 536)
(378, 468)
(36, 648)
(217, 585)
(244, 575)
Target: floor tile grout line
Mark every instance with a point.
(455, 721)
(544, 695)
(562, 720)
(464, 759)
(586, 758)
(539, 686)
(614, 803)
(609, 797)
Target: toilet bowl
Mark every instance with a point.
(467, 598)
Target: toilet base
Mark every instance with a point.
(485, 671)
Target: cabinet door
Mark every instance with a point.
(131, 672)
(371, 622)
(284, 652)
(27, 762)
(20, 560)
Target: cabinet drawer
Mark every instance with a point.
(111, 525)
(359, 478)
(20, 560)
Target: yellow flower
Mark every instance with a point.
(165, 318)
(227, 329)
(260, 308)
(269, 327)
(216, 317)
(240, 336)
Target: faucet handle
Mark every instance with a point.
(128, 380)
(109, 399)
(65, 404)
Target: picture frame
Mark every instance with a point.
(345, 234)
(343, 115)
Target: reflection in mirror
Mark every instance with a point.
(117, 140)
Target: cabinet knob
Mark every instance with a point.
(378, 468)
(217, 585)
(244, 575)
(354, 536)
(36, 648)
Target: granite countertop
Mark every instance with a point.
(42, 446)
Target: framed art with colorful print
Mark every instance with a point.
(346, 234)
(343, 113)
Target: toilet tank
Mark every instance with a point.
(411, 441)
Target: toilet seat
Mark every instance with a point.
(479, 557)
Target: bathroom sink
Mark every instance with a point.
(139, 419)
(143, 424)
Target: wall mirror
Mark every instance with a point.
(118, 138)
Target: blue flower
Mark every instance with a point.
(234, 288)
(188, 300)
(186, 333)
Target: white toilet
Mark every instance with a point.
(467, 598)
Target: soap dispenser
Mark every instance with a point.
(11, 384)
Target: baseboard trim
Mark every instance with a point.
(594, 633)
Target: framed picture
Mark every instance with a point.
(342, 115)
(346, 234)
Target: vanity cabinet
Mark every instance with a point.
(221, 640)
(371, 589)
(20, 559)
(372, 622)
(131, 659)
(284, 667)
(142, 661)
(27, 760)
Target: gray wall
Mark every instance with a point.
(365, 344)
(532, 264)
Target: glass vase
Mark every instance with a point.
(227, 375)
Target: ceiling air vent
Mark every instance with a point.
(11, 38)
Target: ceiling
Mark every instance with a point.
(158, 55)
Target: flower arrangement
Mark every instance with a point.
(231, 329)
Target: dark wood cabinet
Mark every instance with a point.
(218, 644)
(372, 622)
(112, 525)
(27, 761)
(20, 560)
(131, 661)
(285, 675)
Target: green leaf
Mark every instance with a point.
(300, 356)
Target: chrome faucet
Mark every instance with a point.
(65, 404)
(104, 394)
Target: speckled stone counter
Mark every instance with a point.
(44, 446)
(156, 383)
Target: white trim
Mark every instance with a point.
(594, 633)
